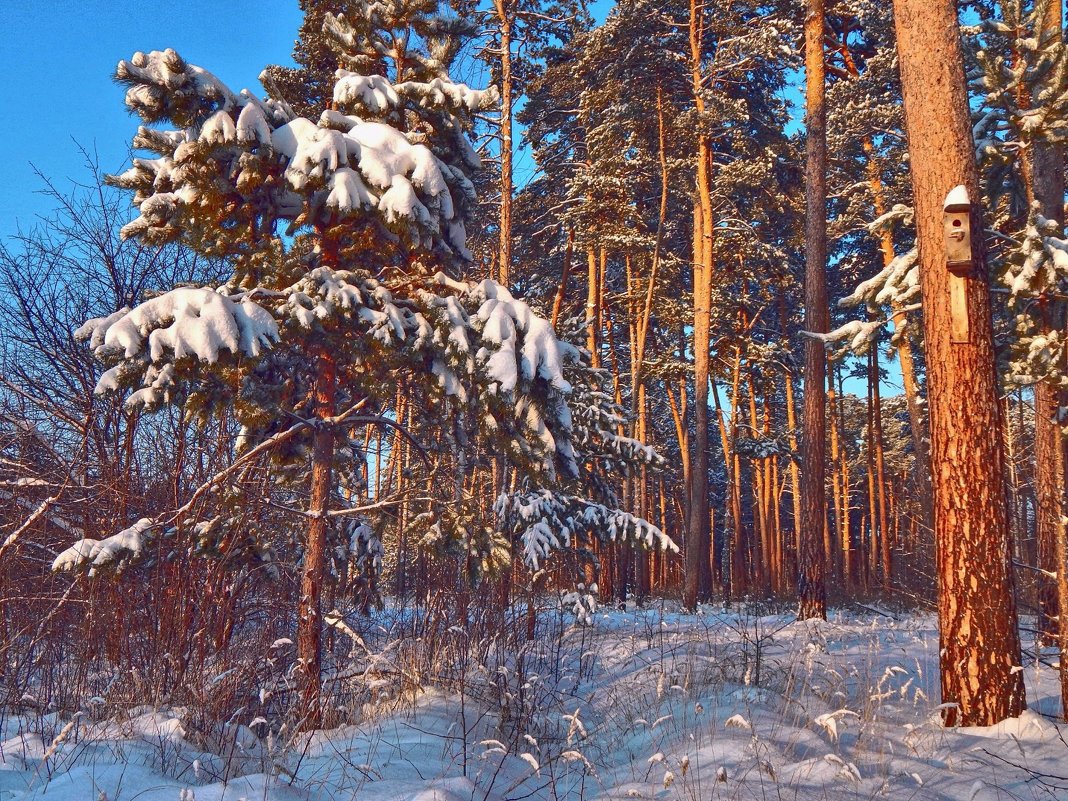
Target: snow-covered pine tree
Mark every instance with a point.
(352, 192)
(979, 651)
(342, 234)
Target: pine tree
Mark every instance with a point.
(343, 235)
(811, 565)
(979, 639)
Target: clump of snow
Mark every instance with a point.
(252, 126)
(97, 553)
(219, 129)
(348, 192)
(373, 92)
(526, 344)
(957, 197)
(186, 321)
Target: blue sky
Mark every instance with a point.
(56, 89)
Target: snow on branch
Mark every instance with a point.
(480, 339)
(373, 92)
(163, 86)
(897, 283)
(546, 521)
(441, 92)
(527, 346)
(116, 550)
(365, 167)
(185, 322)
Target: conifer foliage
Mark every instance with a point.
(344, 234)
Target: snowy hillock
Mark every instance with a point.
(644, 704)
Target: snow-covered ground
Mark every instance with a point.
(644, 704)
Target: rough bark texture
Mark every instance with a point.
(1050, 444)
(812, 594)
(1048, 175)
(980, 643)
(309, 615)
(503, 9)
(698, 532)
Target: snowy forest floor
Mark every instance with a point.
(649, 704)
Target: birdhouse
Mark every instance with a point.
(956, 221)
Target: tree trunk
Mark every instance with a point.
(503, 9)
(979, 639)
(698, 533)
(761, 545)
(593, 307)
(812, 593)
(869, 458)
(1050, 444)
(791, 424)
(840, 494)
(309, 616)
(885, 540)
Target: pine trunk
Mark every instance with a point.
(791, 425)
(504, 260)
(812, 593)
(841, 508)
(698, 533)
(593, 307)
(309, 616)
(979, 639)
(565, 274)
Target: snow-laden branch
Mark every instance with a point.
(353, 162)
(547, 521)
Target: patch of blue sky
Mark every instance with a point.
(58, 94)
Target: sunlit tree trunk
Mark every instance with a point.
(593, 306)
(698, 534)
(309, 614)
(812, 594)
(885, 540)
(979, 639)
(838, 492)
(505, 17)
